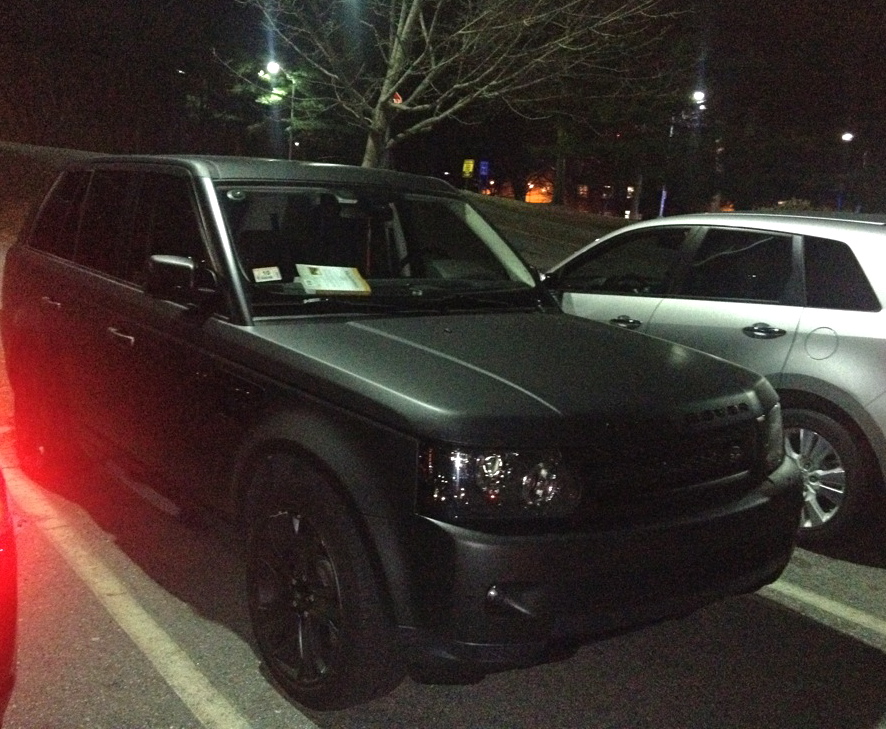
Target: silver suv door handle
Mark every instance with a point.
(626, 322)
(761, 330)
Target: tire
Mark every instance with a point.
(835, 474)
(318, 614)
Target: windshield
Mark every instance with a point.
(296, 245)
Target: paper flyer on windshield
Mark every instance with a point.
(331, 279)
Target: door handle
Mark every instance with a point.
(120, 336)
(626, 322)
(48, 303)
(761, 330)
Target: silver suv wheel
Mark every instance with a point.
(833, 472)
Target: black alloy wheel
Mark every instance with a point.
(318, 615)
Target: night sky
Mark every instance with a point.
(810, 63)
(67, 67)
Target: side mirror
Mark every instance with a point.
(169, 277)
(179, 279)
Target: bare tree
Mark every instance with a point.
(397, 68)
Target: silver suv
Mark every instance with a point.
(796, 298)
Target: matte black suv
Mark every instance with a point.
(436, 469)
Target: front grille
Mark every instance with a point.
(668, 472)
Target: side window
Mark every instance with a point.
(101, 239)
(740, 264)
(641, 262)
(56, 227)
(165, 222)
(834, 278)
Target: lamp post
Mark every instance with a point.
(846, 138)
(688, 117)
(273, 68)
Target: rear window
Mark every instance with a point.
(835, 279)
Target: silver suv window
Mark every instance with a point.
(740, 265)
(835, 279)
(635, 263)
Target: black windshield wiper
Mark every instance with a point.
(412, 299)
(347, 303)
(508, 298)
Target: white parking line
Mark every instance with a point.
(860, 619)
(210, 707)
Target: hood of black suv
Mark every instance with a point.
(522, 377)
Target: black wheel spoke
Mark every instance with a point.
(314, 648)
(298, 598)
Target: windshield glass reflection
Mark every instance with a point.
(299, 245)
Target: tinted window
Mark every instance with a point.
(56, 228)
(834, 279)
(639, 262)
(740, 264)
(165, 222)
(101, 240)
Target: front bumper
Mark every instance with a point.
(491, 602)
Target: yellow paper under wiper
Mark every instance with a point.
(331, 279)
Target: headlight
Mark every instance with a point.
(773, 438)
(462, 483)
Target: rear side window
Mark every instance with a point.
(56, 227)
(834, 277)
(741, 265)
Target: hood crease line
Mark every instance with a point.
(458, 361)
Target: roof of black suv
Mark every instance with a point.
(254, 169)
